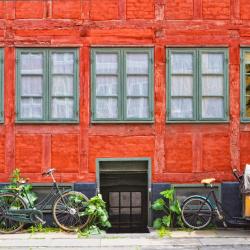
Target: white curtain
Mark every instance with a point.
(181, 107)
(31, 108)
(62, 85)
(31, 63)
(106, 85)
(182, 63)
(137, 84)
(137, 107)
(62, 108)
(182, 85)
(107, 107)
(62, 63)
(31, 86)
(212, 63)
(137, 63)
(212, 107)
(106, 63)
(212, 85)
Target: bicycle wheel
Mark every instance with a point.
(8, 203)
(68, 209)
(196, 213)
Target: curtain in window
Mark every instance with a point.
(182, 82)
(106, 80)
(62, 89)
(31, 89)
(212, 85)
(137, 85)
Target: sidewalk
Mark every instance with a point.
(179, 240)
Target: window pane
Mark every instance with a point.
(212, 85)
(137, 86)
(31, 85)
(106, 85)
(106, 63)
(62, 85)
(247, 57)
(247, 106)
(212, 63)
(212, 107)
(31, 63)
(31, 108)
(137, 63)
(247, 85)
(182, 108)
(247, 67)
(182, 63)
(62, 63)
(125, 199)
(107, 108)
(137, 108)
(182, 86)
(62, 108)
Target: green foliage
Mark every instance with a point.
(25, 190)
(38, 228)
(172, 212)
(96, 210)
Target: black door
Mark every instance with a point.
(127, 208)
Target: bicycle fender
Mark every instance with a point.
(198, 196)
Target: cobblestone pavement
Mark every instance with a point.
(179, 240)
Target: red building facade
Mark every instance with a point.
(180, 152)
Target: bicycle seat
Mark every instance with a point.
(48, 172)
(22, 181)
(208, 181)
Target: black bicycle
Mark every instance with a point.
(198, 211)
(67, 210)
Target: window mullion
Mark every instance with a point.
(198, 86)
(47, 91)
(122, 88)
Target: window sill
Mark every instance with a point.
(122, 122)
(197, 122)
(46, 122)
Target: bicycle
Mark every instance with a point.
(198, 211)
(67, 209)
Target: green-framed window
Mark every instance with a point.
(47, 85)
(197, 86)
(1, 85)
(122, 85)
(245, 84)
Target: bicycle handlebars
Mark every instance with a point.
(49, 172)
(237, 175)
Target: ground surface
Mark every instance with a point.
(179, 240)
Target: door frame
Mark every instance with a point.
(149, 173)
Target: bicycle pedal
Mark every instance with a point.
(224, 224)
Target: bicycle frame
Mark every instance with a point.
(34, 213)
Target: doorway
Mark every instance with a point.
(124, 185)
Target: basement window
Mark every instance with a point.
(47, 82)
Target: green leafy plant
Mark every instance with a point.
(38, 228)
(25, 189)
(96, 210)
(170, 206)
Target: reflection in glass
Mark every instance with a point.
(247, 68)
(247, 85)
(247, 106)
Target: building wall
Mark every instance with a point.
(181, 153)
